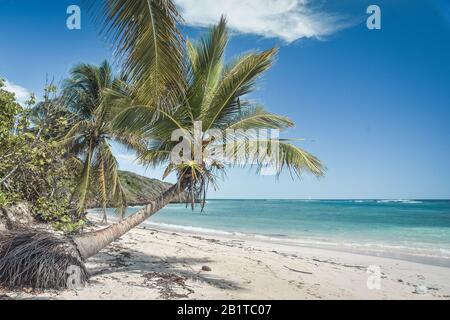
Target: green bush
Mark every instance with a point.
(57, 212)
(34, 166)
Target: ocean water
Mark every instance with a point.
(410, 229)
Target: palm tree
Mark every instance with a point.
(215, 96)
(86, 97)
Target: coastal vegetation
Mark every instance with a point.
(33, 166)
(57, 155)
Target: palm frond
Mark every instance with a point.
(102, 187)
(280, 155)
(112, 179)
(80, 128)
(132, 142)
(119, 198)
(147, 121)
(147, 41)
(82, 91)
(82, 188)
(258, 118)
(298, 160)
(156, 157)
(239, 80)
(206, 61)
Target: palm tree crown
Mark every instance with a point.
(86, 97)
(215, 97)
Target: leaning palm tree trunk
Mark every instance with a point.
(42, 260)
(91, 243)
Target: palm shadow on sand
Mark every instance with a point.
(156, 271)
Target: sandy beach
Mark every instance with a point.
(157, 264)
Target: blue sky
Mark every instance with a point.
(373, 104)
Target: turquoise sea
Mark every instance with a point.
(411, 229)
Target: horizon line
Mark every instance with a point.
(333, 199)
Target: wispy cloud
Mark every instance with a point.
(21, 93)
(285, 19)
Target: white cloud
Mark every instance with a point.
(21, 93)
(286, 19)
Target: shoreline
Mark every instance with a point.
(391, 252)
(288, 241)
(156, 264)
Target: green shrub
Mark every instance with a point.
(57, 212)
(34, 166)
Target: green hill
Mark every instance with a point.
(139, 189)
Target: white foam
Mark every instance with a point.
(399, 201)
(189, 229)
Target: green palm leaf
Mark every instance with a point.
(82, 189)
(239, 79)
(148, 43)
(206, 66)
(279, 154)
(258, 118)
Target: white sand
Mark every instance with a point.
(151, 264)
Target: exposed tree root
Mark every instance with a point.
(39, 260)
